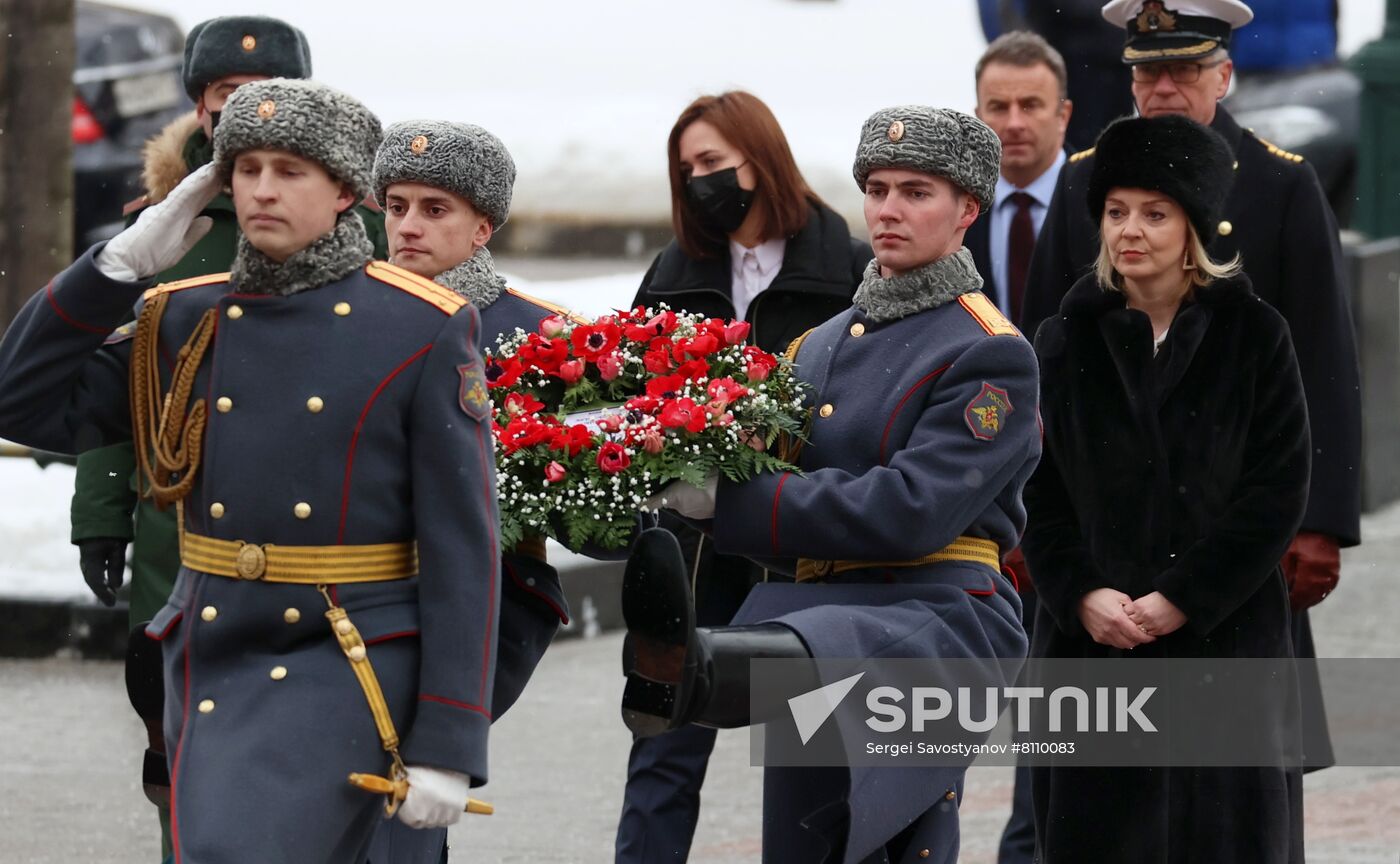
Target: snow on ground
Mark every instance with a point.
(38, 561)
(584, 94)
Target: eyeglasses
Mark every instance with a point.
(1181, 73)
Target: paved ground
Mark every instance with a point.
(69, 750)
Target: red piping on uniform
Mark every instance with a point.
(544, 598)
(889, 425)
(385, 638)
(355, 438)
(777, 494)
(428, 697)
(68, 319)
(166, 631)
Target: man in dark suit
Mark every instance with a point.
(1021, 87)
(1021, 94)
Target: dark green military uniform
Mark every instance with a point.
(104, 496)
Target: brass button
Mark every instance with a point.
(209, 613)
(292, 615)
(827, 410)
(207, 706)
(1225, 228)
(224, 404)
(216, 510)
(343, 626)
(302, 510)
(315, 404)
(951, 795)
(235, 312)
(357, 653)
(249, 42)
(278, 673)
(342, 309)
(1237, 166)
(857, 329)
(419, 145)
(267, 109)
(896, 131)
(923, 853)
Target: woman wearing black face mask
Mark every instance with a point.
(753, 242)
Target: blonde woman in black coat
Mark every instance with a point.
(1174, 475)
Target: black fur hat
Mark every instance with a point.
(1174, 155)
(243, 45)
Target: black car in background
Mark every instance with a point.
(126, 88)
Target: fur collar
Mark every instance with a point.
(334, 256)
(475, 279)
(926, 287)
(164, 157)
(1088, 299)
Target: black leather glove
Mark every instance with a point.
(103, 562)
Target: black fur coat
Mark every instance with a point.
(1185, 473)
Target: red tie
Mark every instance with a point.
(1020, 242)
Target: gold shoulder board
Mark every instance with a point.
(988, 315)
(1082, 154)
(427, 290)
(550, 307)
(192, 282)
(796, 345)
(1277, 150)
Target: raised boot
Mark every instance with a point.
(678, 673)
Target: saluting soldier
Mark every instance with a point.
(1277, 220)
(921, 385)
(445, 189)
(220, 55)
(320, 420)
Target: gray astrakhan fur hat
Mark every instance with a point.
(458, 157)
(243, 45)
(301, 117)
(938, 141)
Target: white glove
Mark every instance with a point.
(164, 232)
(692, 502)
(436, 797)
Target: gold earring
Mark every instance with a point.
(1186, 263)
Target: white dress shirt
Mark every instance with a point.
(1041, 190)
(753, 270)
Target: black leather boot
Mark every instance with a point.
(678, 673)
(145, 687)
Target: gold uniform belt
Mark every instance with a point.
(323, 566)
(974, 549)
(302, 565)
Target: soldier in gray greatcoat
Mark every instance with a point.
(321, 422)
(924, 431)
(445, 189)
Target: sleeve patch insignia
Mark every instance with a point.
(986, 414)
(471, 395)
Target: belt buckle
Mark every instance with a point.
(251, 562)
